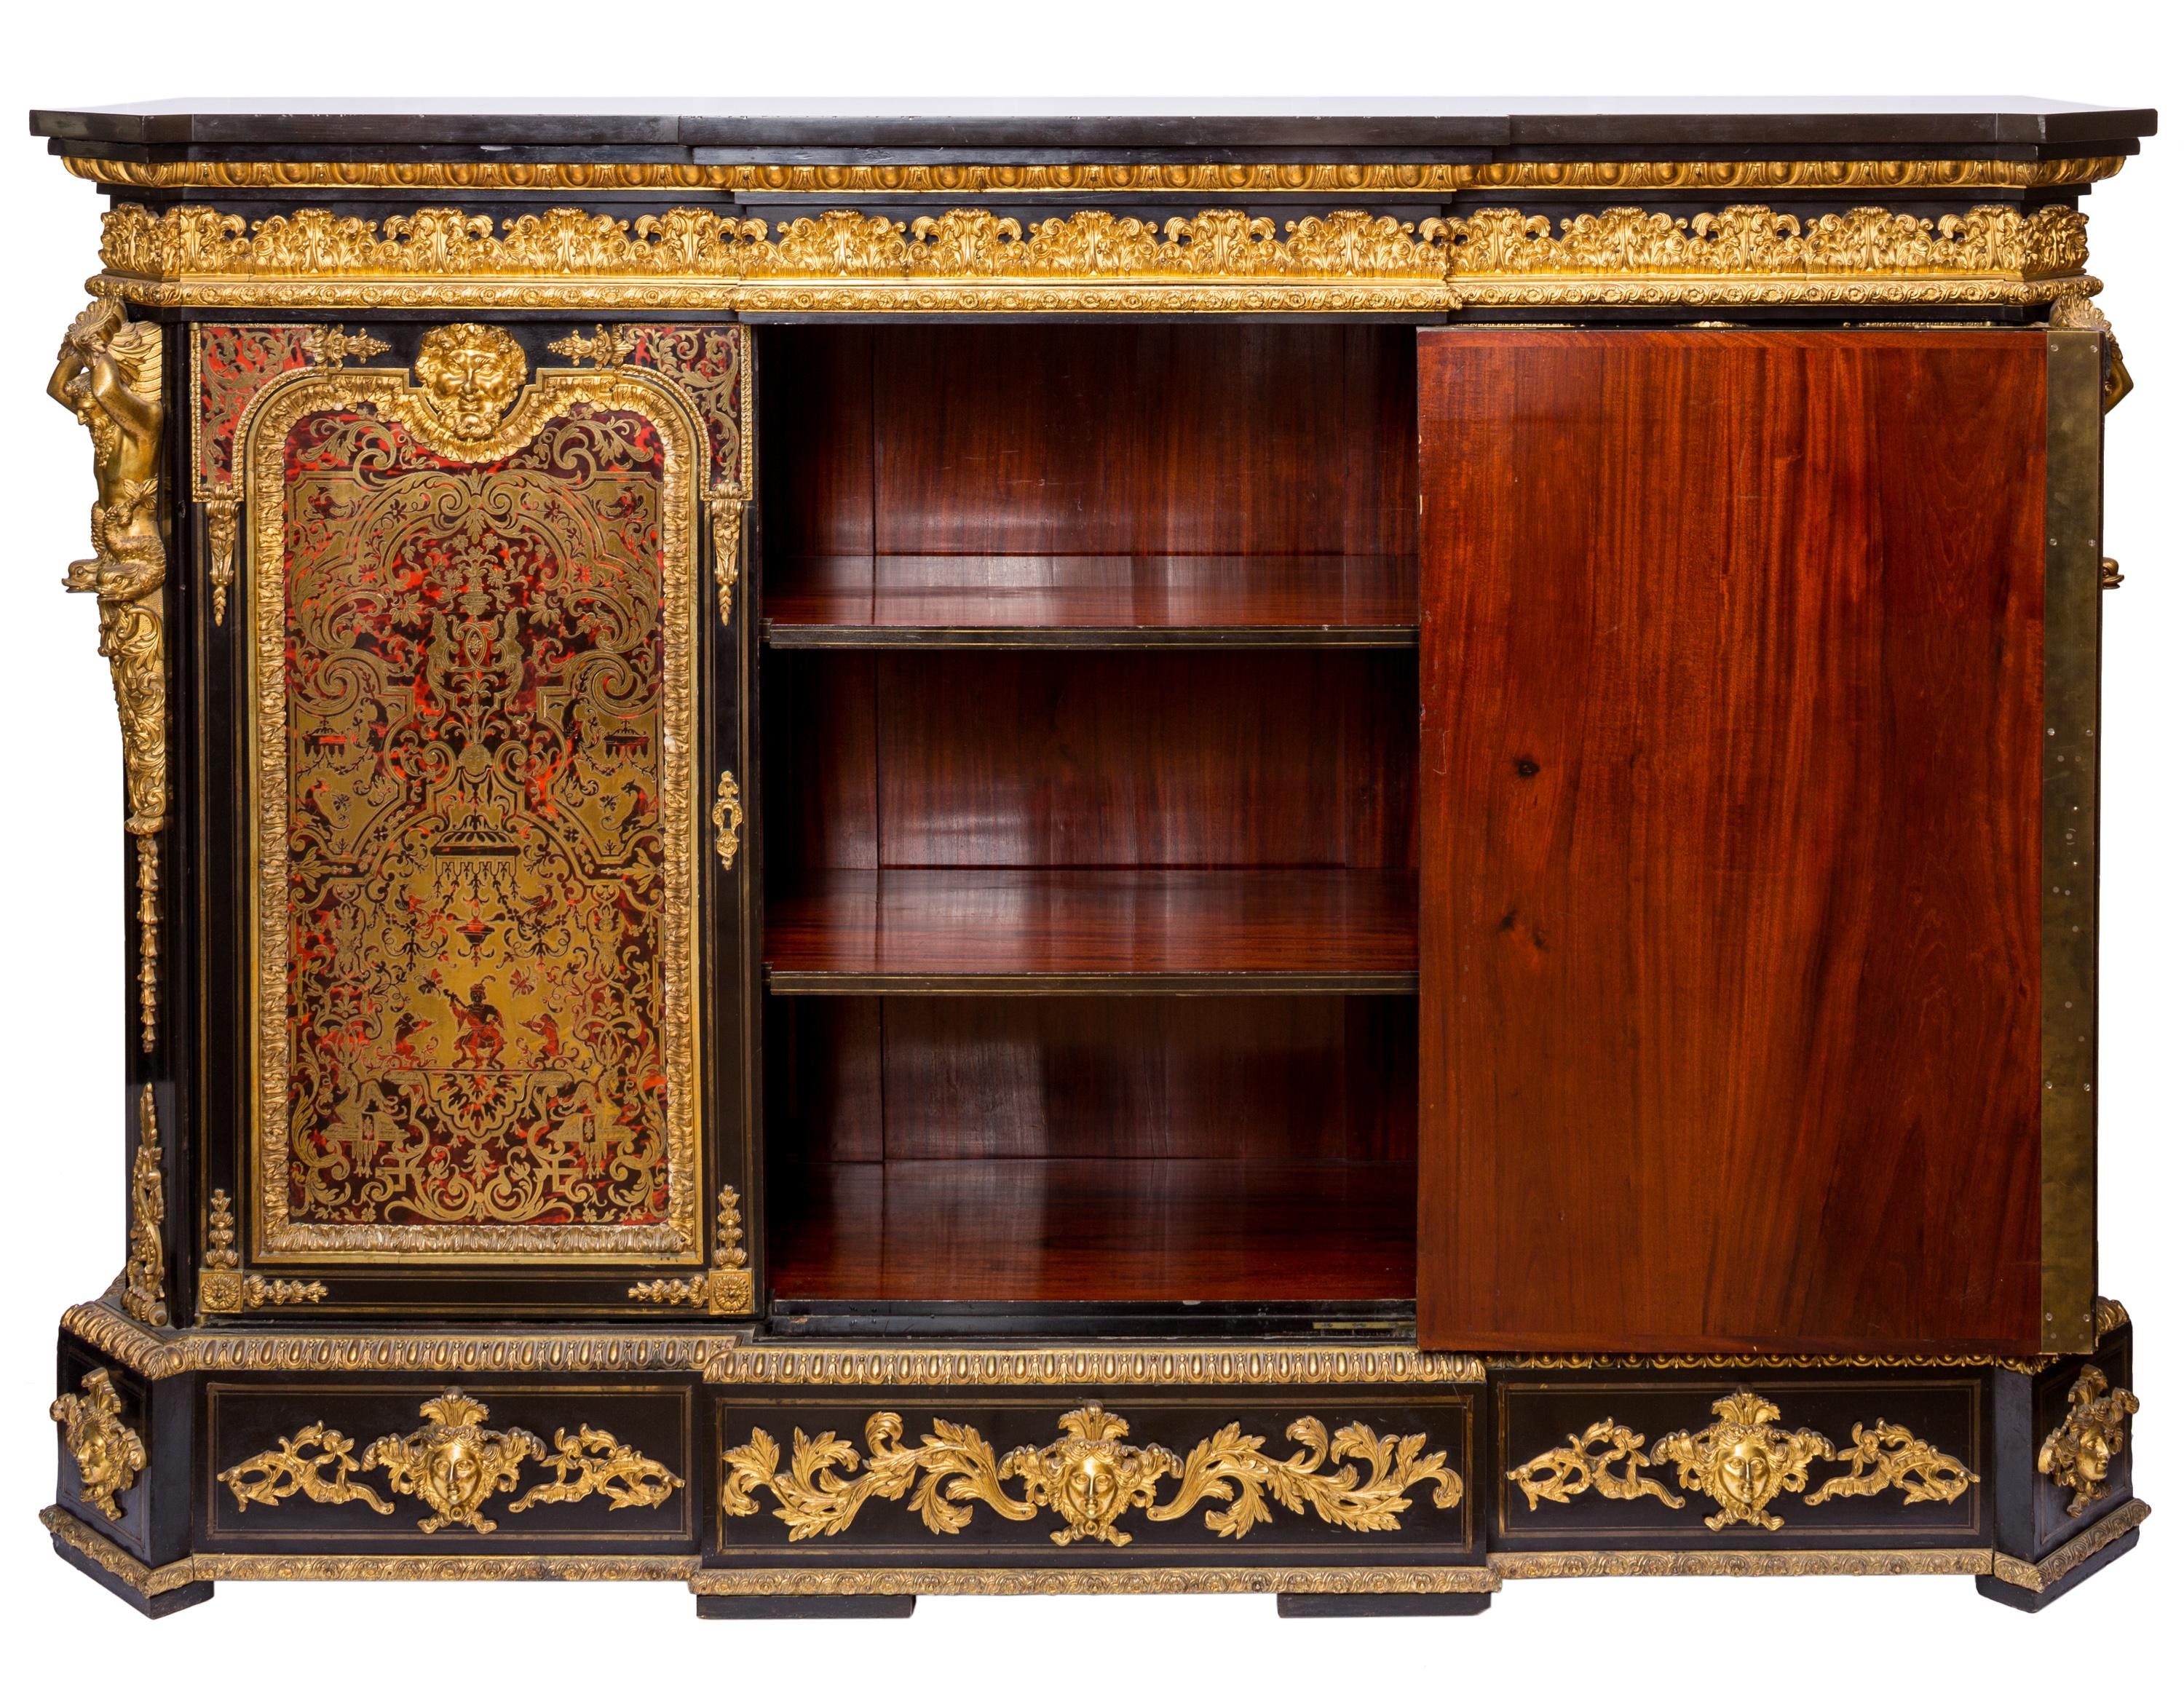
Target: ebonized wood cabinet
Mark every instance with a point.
(1378, 831)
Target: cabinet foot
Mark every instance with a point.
(2038, 1600)
(1381, 1605)
(162, 1604)
(806, 1605)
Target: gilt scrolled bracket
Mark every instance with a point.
(2077, 311)
(109, 374)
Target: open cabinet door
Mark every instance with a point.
(1752, 663)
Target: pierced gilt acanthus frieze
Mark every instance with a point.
(2093, 1433)
(108, 1453)
(1742, 1462)
(971, 260)
(110, 375)
(1090, 1479)
(144, 1281)
(518, 919)
(455, 1465)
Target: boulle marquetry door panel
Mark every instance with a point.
(1735, 652)
(491, 908)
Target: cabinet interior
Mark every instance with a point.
(1089, 709)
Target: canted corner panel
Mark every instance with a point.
(472, 623)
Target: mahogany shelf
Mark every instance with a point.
(1036, 931)
(1091, 602)
(1096, 1230)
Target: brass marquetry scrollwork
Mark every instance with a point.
(2096, 1430)
(1090, 1478)
(110, 374)
(108, 1453)
(1742, 1462)
(517, 920)
(455, 1465)
(230, 366)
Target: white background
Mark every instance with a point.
(62, 931)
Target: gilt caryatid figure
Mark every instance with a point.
(109, 373)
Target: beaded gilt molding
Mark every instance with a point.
(972, 261)
(1303, 176)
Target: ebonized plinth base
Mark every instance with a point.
(1381, 1605)
(806, 1605)
(779, 1479)
(163, 1604)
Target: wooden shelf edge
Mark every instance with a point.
(783, 982)
(817, 636)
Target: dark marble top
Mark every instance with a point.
(991, 129)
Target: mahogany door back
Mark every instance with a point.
(1730, 695)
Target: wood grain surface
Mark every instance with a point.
(1132, 927)
(1730, 681)
(1105, 1229)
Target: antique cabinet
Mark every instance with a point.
(1351, 854)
